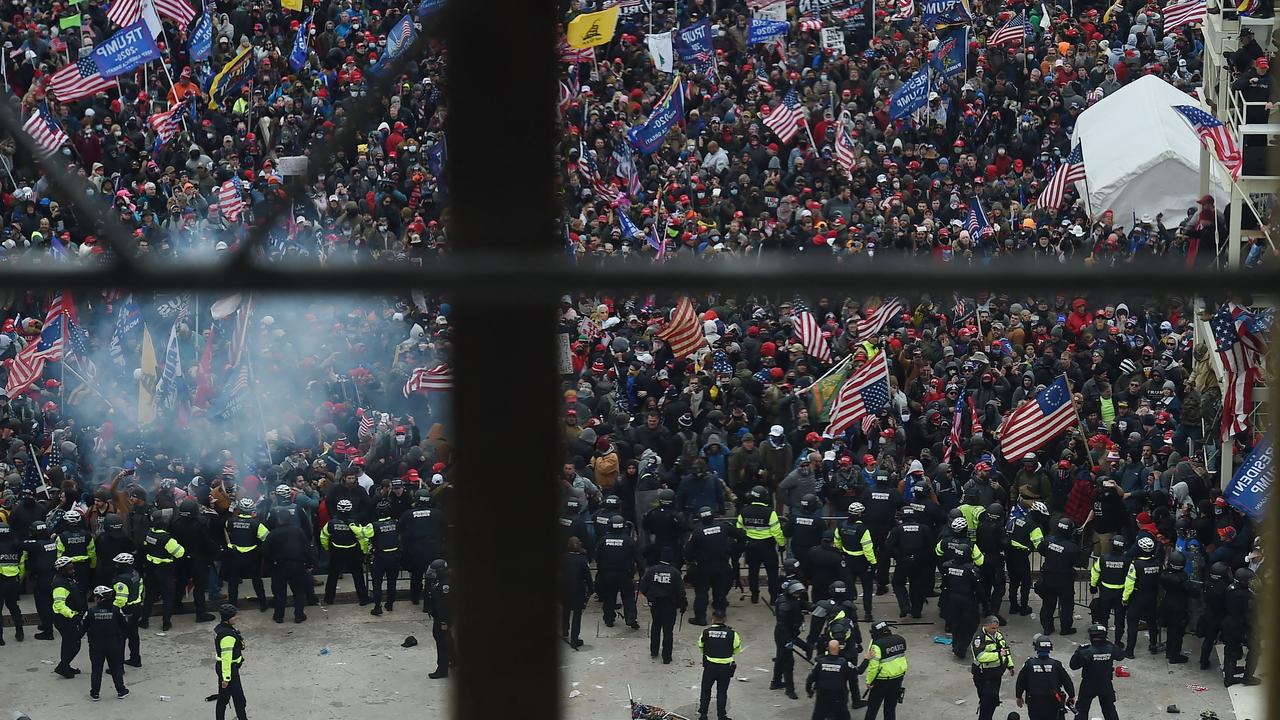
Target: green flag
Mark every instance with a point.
(823, 394)
(70, 21)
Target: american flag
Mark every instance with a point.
(878, 318)
(785, 119)
(366, 423)
(125, 12)
(570, 54)
(229, 400)
(810, 24)
(963, 401)
(167, 123)
(962, 309)
(44, 130)
(627, 170)
(1016, 29)
(684, 332)
(591, 173)
(1071, 170)
(865, 393)
(1238, 334)
(28, 365)
(1037, 421)
(79, 79)
(905, 10)
(762, 79)
(229, 202)
(1209, 129)
(1183, 13)
(844, 146)
(435, 379)
(176, 9)
(810, 334)
(976, 223)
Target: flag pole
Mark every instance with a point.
(835, 367)
(1079, 423)
(89, 385)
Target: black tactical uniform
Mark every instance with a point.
(882, 506)
(384, 547)
(1096, 662)
(41, 550)
(827, 564)
(440, 601)
(910, 543)
(1025, 537)
(161, 550)
(111, 542)
(664, 589)
(1062, 555)
(788, 613)
(191, 530)
(1141, 587)
(804, 529)
(1042, 681)
(1176, 590)
(711, 545)
(616, 563)
(992, 540)
(105, 626)
(662, 527)
(960, 583)
(1106, 581)
(286, 552)
(1237, 630)
(830, 678)
(11, 571)
(1215, 609)
(242, 556)
(422, 533)
(764, 538)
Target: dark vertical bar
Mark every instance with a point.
(500, 131)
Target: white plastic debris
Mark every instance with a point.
(574, 694)
(165, 698)
(960, 701)
(596, 661)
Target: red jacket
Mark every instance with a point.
(1080, 500)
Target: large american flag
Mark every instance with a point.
(176, 9)
(435, 379)
(167, 123)
(864, 394)
(125, 12)
(1037, 421)
(844, 146)
(684, 332)
(44, 130)
(570, 54)
(1016, 29)
(1210, 128)
(79, 79)
(963, 402)
(878, 318)
(810, 334)
(28, 365)
(1183, 13)
(976, 222)
(786, 119)
(1238, 336)
(229, 202)
(1071, 170)
(905, 9)
(590, 172)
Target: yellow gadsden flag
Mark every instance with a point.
(291, 5)
(147, 380)
(591, 29)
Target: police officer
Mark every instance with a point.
(191, 530)
(575, 587)
(12, 571)
(440, 604)
(616, 563)
(1044, 683)
(611, 505)
(1176, 590)
(1106, 582)
(242, 557)
(840, 623)
(991, 539)
(804, 528)
(764, 539)
(1096, 662)
(788, 614)
(109, 543)
(719, 644)
(228, 657)
(128, 597)
(662, 528)
(68, 610)
(663, 587)
(908, 544)
(286, 551)
(422, 532)
(1237, 631)
(286, 510)
(854, 538)
(1215, 609)
(1024, 538)
(105, 627)
(826, 565)
(160, 550)
(384, 546)
(992, 658)
(710, 546)
(41, 551)
(1062, 555)
(882, 504)
(347, 542)
(886, 669)
(830, 676)
(960, 583)
(572, 524)
(76, 543)
(1141, 584)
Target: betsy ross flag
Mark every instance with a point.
(79, 79)
(125, 12)
(786, 119)
(1016, 29)
(1071, 170)
(168, 123)
(1184, 13)
(878, 318)
(1037, 421)
(176, 9)
(976, 223)
(1239, 337)
(684, 332)
(435, 379)
(863, 395)
(44, 130)
(1215, 136)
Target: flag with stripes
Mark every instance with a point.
(684, 332)
(963, 402)
(810, 334)
(125, 12)
(627, 170)
(570, 54)
(179, 10)
(1215, 136)
(229, 400)
(845, 146)
(27, 366)
(229, 202)
(786, 119)
(1070, 171)
(1017, 28)
(1184, 13)
(128, 318)
(762, 79)
(903, 10)
(1037, 420)
(434, 379)
(962, 309)
(1239, 337)
(44, 130)
(878, 318)
(810, 24)
(167, 386)
(366, 424)
(864, 394)
(168, 123)
(976, 223)
(79, 79)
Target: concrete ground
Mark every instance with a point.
(366, 674)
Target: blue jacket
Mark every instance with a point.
(695, 492)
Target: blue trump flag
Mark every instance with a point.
(427, 7)
(764, 30)
(200, 46)
(398, 41)
(911, 96)
(950, 58)
(945, 12)
(694, 46)
(668, 111)
(126, 51)
(301, 47)
(629, 229)
(1250, 488)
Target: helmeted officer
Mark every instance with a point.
(611, 505)
(384, 546)
(840, 623)
(1096, 662)
(422, 532)
(788, 613)
(1141, 584)
(764, 539)
(439, 597)
(287, 552)
(616, 563)
(1106, 582)
(1025, 537)
(886, 670)
(12, 572)
(882, 504)
(1174, 609)
(68, 609)
(804, 528)
(909, 543)
(348, 543)
(191, 531)
(1237, 631)
(709, 549)
(105, 626)
(992, 658)
(663, 587)
(1062, 555)
(1043, 684)
(243, 555)
(662, 528)
(961, 588)
(830, 678)
(128, 597)
(719, 644)
(228, 656)
(109, 543)
(854, 539)
(991, 539)
(572, 523)
(41, 551)
(161, 550)
(827, 564)
(75, 542)
(1215, 609)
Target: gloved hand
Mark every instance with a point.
(1093, 589)
(809, 693)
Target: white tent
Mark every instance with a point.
(1140, 156)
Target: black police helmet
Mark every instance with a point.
(1177, 559)
(616, 522)
(1067, 526)
(666, 497)
(1042, 643)
(424, 496)
(758, 493)
(809, 501)
(1219, 570)
(1245, 575)
(790, 565)
(227, 611)
(157, 517)
(705, 513)
(188, 507)
(572, 505)
(113, 522)
(1119, 543)
(881, 628)
(1097, 630)
(995, 510)
(437, 566)
(383, 506)
(611, 501)
(838, 589)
